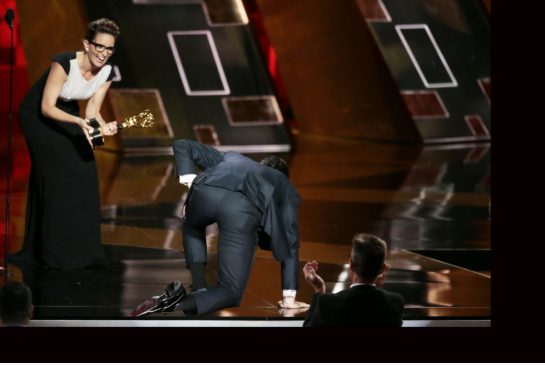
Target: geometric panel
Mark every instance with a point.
(426, 55)
(210, 52)
(476, 126)
(217, 12)
(206, 133)
(443, 46)
(485, 87)
(476, 154)
(198, 62)
(424, 104)
(225, 12)
(127, 102)
(252, 110)
(374, 10)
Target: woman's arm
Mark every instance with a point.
(57, 77)
(93, 109)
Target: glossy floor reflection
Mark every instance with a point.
(430, 204)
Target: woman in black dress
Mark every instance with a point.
(63, 209)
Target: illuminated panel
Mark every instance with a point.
(218, 12)
(225, 12)
(476, 154)
(424, 104)
(127, 102)
(252, 110)
(476, 126)
(165, 2)
(426, 56)
(198, 62)
(374, 10)
(484, 84)
(206, 133)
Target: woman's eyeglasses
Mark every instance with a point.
(100, 47)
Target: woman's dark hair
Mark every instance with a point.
(102, 25)
(276, 163)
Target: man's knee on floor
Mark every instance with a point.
(234, 298)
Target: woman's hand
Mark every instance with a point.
(86, 129)
(109, 129)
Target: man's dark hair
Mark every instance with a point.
(367, 256)
(276, 163)
(15, 303)
(102, 25)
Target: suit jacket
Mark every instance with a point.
(359, 306)
(267, 189)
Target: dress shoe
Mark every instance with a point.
(166, 302)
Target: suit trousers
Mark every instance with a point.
(238, 223)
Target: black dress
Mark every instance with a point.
(63, 207)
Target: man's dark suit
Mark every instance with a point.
(246, 199)
(361, 306)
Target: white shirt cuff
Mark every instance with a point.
(187, 178)
(289, 293)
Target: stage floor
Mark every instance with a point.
(431, 204)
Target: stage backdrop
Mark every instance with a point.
(439, 54)
(198, 67)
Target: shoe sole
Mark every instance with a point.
(169, 291)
